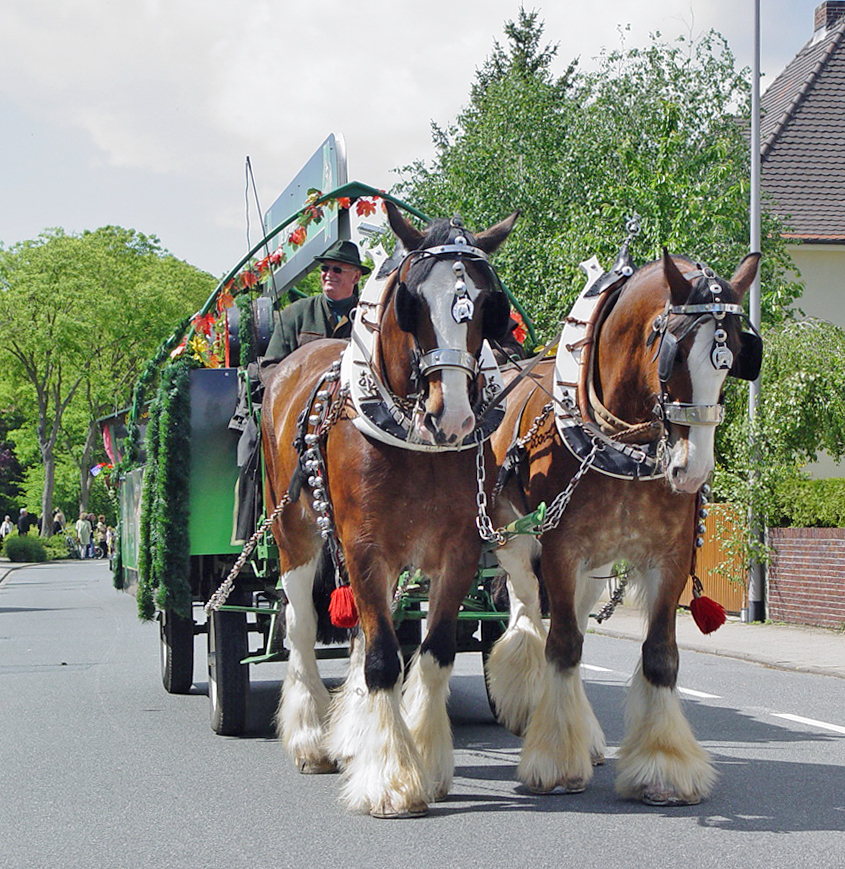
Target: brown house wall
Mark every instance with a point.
(806, 576)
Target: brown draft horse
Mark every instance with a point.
(659, 345)
(392, 508)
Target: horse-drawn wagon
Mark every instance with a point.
(376, 474)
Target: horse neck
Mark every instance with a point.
(394, 355)
(625, 378)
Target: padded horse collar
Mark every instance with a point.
(573, 363)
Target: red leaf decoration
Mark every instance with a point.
(365, 207)
(204, 325)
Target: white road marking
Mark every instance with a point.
(597, 669)
(836, 728)
(700, 694)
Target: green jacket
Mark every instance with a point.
(302, 321)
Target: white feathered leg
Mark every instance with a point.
(303, 706)
(517, 660)
(659, 761)
(383, 771)
(424, 697)
(556, 754)
(588, 591)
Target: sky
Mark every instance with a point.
(141, 113)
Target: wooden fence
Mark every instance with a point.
(720, 570)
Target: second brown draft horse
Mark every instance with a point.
(657, 358)
(384, 506)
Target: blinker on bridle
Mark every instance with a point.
(721, 356)
(463, 308)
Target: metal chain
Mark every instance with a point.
(219, 597)
(528, 438)
(330, 417)
(560, 503)
(615, 599)
(485, 526)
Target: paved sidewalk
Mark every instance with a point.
(786, 647)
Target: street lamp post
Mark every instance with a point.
(756, 582)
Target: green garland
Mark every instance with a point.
(164, 555)
(245, 329)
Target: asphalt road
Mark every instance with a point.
(100, 768)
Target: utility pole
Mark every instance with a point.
(756, 579)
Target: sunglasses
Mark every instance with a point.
(336, 269)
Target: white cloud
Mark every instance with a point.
(181, 91)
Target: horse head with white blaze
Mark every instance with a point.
(432, 325)
(618, 457)
(371, 452)
(694, 335)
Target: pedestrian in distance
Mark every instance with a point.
(25, 521)
(83, 532)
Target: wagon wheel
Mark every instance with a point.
(228, 678)
(177, 652)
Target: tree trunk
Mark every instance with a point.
(49, 461)
(85, 478)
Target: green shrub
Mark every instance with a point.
(25, 548)
(810, 504)
(56, 546)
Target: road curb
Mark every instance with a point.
(735, 654)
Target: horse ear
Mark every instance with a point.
(679, 287)
(745, 273)
(496, 316)
(490, 239)
(405, 307)
(409, 235)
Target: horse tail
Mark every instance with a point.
(324, 585)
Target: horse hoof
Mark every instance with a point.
(575, 786)
(440, 794)
(666, 798)
(597, 759)
(316, 767)
(388, 812)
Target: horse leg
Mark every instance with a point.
(556, 755)
(304, 703)
(588, 590)
(426, 689)
(383, 772)
(660, 761)
(517, 661)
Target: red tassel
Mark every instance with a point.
(342, 609)
(709, 615)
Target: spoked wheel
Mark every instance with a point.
(177, 652)
(228, 678)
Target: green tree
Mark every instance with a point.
(78, 315)
(659, 132)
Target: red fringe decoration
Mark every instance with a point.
(709, 615)
(342, 609)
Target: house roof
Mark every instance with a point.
(803, 137)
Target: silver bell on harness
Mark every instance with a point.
(463, 307)
(721, 355)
